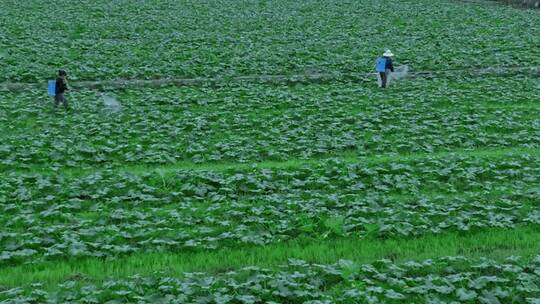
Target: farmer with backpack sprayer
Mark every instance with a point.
(384, 67)
(58, 88)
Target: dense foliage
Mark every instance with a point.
(159, 39)
(206, 170)
(445, 280)
(260, 122)
(108, 214)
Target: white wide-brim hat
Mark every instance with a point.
(388, 53)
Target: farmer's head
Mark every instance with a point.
(62, 73)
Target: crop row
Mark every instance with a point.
(444, 280)
(108, 214)
(264, 123)
(125, 39)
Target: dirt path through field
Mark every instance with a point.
(107, 85)
(526, 4)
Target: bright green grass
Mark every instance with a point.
(491, 243)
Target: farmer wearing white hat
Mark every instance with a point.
(384, 67)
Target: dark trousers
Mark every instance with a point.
(60, 98)
(384, 79)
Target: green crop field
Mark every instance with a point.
(238, 190)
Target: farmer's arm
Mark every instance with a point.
(391, 65)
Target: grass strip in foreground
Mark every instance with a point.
(495, 244)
